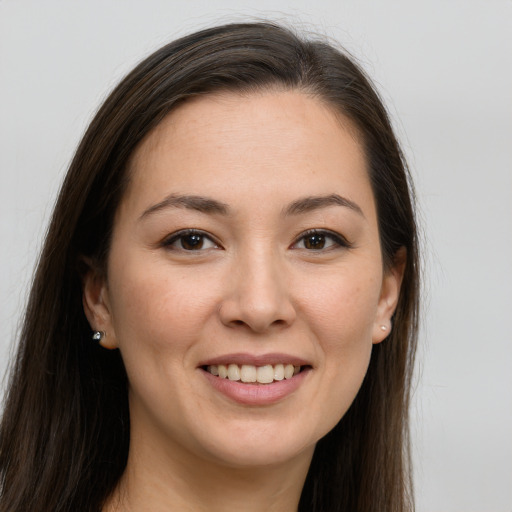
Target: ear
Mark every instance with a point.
(96, 304)
(389, 294)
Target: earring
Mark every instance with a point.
(98, 335)
(383, 327)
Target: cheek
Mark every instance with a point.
(341, 315)
(158, 319)
(341, 307)
(159, 311)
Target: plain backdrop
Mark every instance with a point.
(443, 67)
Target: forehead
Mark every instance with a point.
(260, 113)
(231, 144)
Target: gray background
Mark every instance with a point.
(444, 68)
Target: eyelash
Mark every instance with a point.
(338, 241)
(181, 235)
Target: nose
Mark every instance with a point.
(258, 294)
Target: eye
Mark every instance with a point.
(318, 240)
(189, 240)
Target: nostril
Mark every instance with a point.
(237, 312)
(241, 323)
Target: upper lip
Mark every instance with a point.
(256, 360)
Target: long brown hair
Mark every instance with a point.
(64, 435)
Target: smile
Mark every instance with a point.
(248, 373)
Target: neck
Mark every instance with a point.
(173, 479)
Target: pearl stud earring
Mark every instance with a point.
(383, 327)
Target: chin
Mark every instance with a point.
(255, 455)
(260, 445)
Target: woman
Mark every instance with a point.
(224, 314)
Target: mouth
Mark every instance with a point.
(256, 380)
(252, 374)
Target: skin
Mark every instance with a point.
(256, 286)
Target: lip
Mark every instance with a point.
(240, 358)
(256, 394)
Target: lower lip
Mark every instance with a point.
(256, 394)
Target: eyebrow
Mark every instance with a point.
(311, 203)
(197, 203)
(207, 205)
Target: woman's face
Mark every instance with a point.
(247, 237)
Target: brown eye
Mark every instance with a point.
(192, 242)
(321, 240)
(189, 241)
(316, 241)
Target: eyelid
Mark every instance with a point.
(175, 236)
(339, 239)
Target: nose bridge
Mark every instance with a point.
(259, 295)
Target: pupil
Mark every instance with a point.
(315, 242)
(190, 242)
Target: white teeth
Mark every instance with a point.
(248, 373)
(265, 374)
(223, 371)
(278, 372)
(233, 372)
